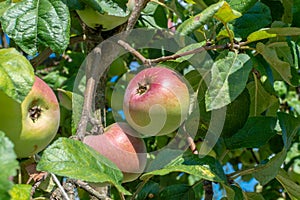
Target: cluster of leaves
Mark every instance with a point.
(254, 75)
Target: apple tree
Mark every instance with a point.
(140, 99)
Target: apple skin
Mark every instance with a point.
(33, 124)
(118, 145)
(156, 101)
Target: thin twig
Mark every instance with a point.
(209, 192)
(90, 190)
(63, 192)
(254, 156)
(37, 184)
(238, 173)
(148, 62)
(138, 7)
(140, 187)
(134, 52)
(192, 145)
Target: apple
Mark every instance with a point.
(31, 125)
(118, 144)
(156, 101)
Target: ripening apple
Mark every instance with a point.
(156, 101)
(118, 144)
(31, 125)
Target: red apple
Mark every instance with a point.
(118, 145)
(31, 125)
(156, 101)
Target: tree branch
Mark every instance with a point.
(138, 7)
(209, 193)
(89, 189)
(149, 62)
(92, 63)
(134, 52)
(61, 188)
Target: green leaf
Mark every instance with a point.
(270, 55)
(208, 161)
(233, 192)
(265, 173)
(261, 100)
(177, 191)
(259, 16)
(256, 132)
(165, 157)
(20, 192)
(154, 15)
(207, 168)
(74, 4)
(71, 158)
(287, 17)
(188, 48)
(273, 32)
(238, 194)
(290, 127)
(150, 187)
(230, 193)
(229, 77)
(8, 166)
(194, 78)
(241, 5)
(108, 7)
(226, 14)
(237, 113)
(4, 5)
(33, 24)
(16, 74)
(195, 22)
(254, 196)
(292, 188)
(196, 170)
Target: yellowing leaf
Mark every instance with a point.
(273, 32)
(226, 14)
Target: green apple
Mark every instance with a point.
(31, 125)
(112, 17)
(94, 19)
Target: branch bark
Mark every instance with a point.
(138, 7)
(149, 62)
(90, 190)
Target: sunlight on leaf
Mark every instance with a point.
(226, 14)
(32, 24)
(72, 158)
(229, 77)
